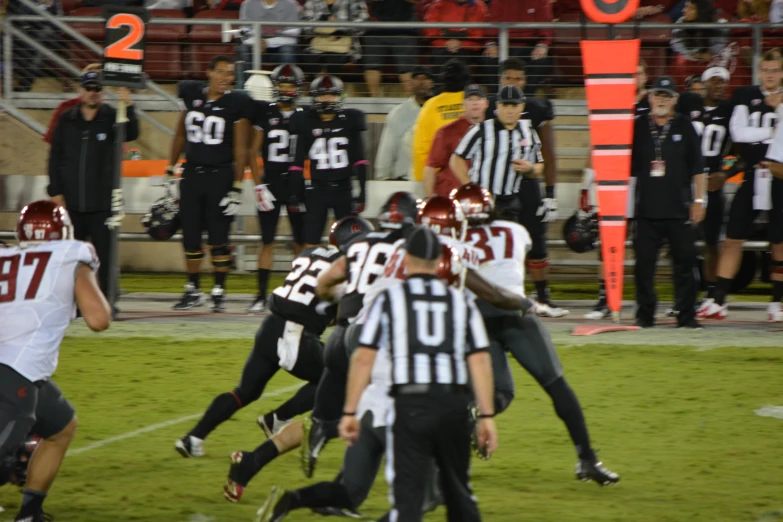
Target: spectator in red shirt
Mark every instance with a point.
(455, 42)
(67, 104)
(438, 178)
(530, 45)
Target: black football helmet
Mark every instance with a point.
(327, 85)
(399, 211)
(162, 221)
(346, 229)
(580, 231)
(290, 74)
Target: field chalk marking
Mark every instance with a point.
(154, 427)
(770, 411)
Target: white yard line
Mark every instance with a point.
(154, 427)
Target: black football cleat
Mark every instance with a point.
(190, 299)
(314, 441)
(275, 508)
(592, 470)
(39, 516)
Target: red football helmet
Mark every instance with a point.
(450, 267)
(477, 202)
(444, 216)
(43, 220)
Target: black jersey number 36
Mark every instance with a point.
(208, 130)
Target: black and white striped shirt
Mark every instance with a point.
(428, 329)
(492, 148)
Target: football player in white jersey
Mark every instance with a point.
(41, 283)
(503, 246)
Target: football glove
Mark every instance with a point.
(547, 210)
(117, 209)
(231, 202)
(294, 205)
(357, 205)
(265, 200)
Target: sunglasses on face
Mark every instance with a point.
(93, 88)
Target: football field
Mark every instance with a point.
(693, 422)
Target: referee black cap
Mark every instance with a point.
(510, 94)
(423, 243)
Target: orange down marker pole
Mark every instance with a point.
(610, 85)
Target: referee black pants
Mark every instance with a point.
(92, 226)
(421, 428)
(681, 235)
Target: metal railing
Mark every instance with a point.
(184, 53)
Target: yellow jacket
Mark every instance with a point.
(435, 113)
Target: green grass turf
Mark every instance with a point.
(678, 424)
(570, 290)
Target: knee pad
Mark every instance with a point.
(194, 255)
(537, 263)
(221, 258)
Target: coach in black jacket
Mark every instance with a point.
(81, 163)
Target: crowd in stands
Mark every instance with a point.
(320, 49)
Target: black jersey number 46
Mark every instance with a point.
(330, 154)
(208, 130)
(299, 285)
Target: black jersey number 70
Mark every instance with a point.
(299, 286)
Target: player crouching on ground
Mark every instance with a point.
(37, 304)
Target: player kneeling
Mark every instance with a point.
(37, 303)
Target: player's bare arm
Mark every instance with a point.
(776, 169)
(241, 140)
(92, 303)
(359, 372)
(495, 295)
(256, 142)
(460, 168)
(547, 136)
(330, 278)
(178, 142)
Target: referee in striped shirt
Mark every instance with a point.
(436, 342)
(501, 151)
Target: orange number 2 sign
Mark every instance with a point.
(122, 48)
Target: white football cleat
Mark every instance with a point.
(716, 311)
(546, 310)
(774, 313)
(705, 305)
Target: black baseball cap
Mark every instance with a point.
(510, 94)
(91, 77)
(664, 84)
(423, 243)
(421, 70)
(475, 89)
